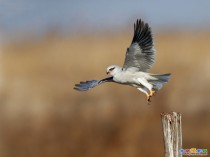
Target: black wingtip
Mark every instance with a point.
(142, 33)
(87, 85)
(75, 88)
(80, 89)
(140, 23)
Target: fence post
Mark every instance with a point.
(172, 131)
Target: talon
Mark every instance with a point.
(148, 98)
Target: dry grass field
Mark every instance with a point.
(41, 115)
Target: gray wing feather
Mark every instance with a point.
(141, 53)
(84, 86)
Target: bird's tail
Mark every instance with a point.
(160, 81)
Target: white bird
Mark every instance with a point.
(139, 58)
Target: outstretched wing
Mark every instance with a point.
(84, 86)
(141, 54)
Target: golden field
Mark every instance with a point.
(41, 115)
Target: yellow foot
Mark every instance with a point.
(152, 92)
(149, 96)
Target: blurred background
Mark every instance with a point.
(48, 46)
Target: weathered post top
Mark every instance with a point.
(172, 132)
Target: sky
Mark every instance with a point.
(39, 16)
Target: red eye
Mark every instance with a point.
(112, 69)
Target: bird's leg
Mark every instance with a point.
(149, 92)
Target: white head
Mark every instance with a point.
(113, 70)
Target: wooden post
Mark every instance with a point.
(172, 132)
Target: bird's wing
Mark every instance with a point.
(84, 86)
(141, 53)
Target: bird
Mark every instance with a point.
(139, 58)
